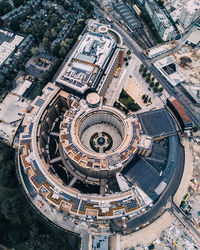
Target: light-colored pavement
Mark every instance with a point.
(187, 174)
(148, 234)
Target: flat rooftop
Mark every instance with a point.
(169, 68)
(8, 43)
(157, 123)
(12, 111)
(180, 109)
(88, 59)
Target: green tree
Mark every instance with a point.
(140, 70)
(48, 35)
(161, 89)
(56, 50)
(15, 25)
(62, 52)
(34, 51)
(142, 66)
(12, 207)
(7, 174)
(151, 84)
(149, 74)
(46, 43)
(143, 97)
(148, 79)
(145, 69)
(128, 52)
(143, 74)
(5, 7)
(157, 84)
(155, 89)
(17, 3)
(54, 33)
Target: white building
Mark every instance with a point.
(7, 48)
(161, 22)
(190, 12)
(184, 12)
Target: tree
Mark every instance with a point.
(56, 50)
(151, 84)
(142, 66)
(5, 7)
(12, 207)
(54, 21)
(48, 35)
(128, 52)
(149, 99)
(127, 64)
(149, 74)
(152, 79)
(46, 43)
(15, 25)
(34, 51)
(21, 67)
(143, 97)
(143, 74)
(17, 3)
(161, 89)
(155, 89)
(145, 69)
(148, 79)
(7, 174)
(157, 84)
(54, 33)
(62, 52)
(140, 70)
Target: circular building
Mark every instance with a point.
(95, 140)
(81, 162)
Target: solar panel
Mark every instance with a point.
(30, 128)
(39, 102)
(39, 179)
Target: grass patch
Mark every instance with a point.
(127, 101)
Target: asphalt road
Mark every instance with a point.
(156, 73)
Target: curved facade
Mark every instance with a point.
(72, 166)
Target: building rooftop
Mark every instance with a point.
(157, 123)
(8, 47)
(169, 67)
(180, 109)
(88, 59)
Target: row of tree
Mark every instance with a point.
(149, 79)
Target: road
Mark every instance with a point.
(132, 45)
